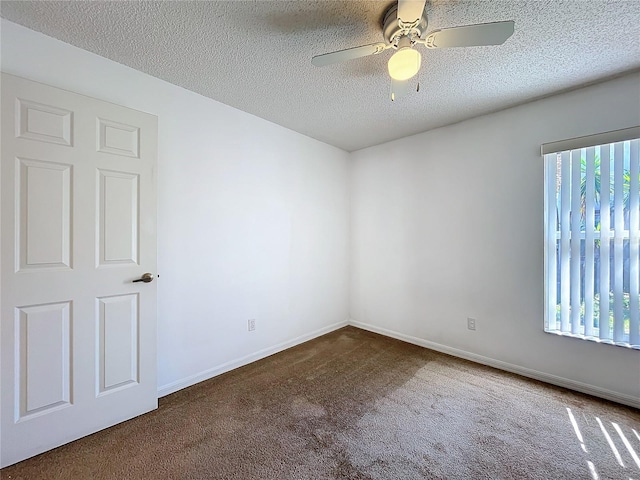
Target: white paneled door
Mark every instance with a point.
(78, 225)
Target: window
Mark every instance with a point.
(592, 232)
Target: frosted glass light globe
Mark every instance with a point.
(404, 64)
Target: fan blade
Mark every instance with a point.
(471, 35)
(401, 88)
(348, 54)
(410, 11)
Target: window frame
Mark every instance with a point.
(565, 148)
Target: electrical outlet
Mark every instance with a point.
(251, 324)
(471, 323)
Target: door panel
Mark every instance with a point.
(43, 198)
(117, 342)
(118, 217)
(78, 225)
(44, 123)
(44, 358)
(118, 138)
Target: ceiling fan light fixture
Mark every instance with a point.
(404, 64)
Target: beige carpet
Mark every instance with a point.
(356, 405)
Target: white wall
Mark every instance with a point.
(253, 218)
(448, 224)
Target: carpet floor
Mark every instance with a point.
(356, 405)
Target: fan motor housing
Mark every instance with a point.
(391, 29)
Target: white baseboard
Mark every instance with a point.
(509, 367)
(240, 362)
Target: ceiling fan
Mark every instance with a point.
(404, 26)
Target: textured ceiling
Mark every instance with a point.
(256, 56)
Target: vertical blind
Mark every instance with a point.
(592, 229)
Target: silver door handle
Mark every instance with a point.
(146, 278)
